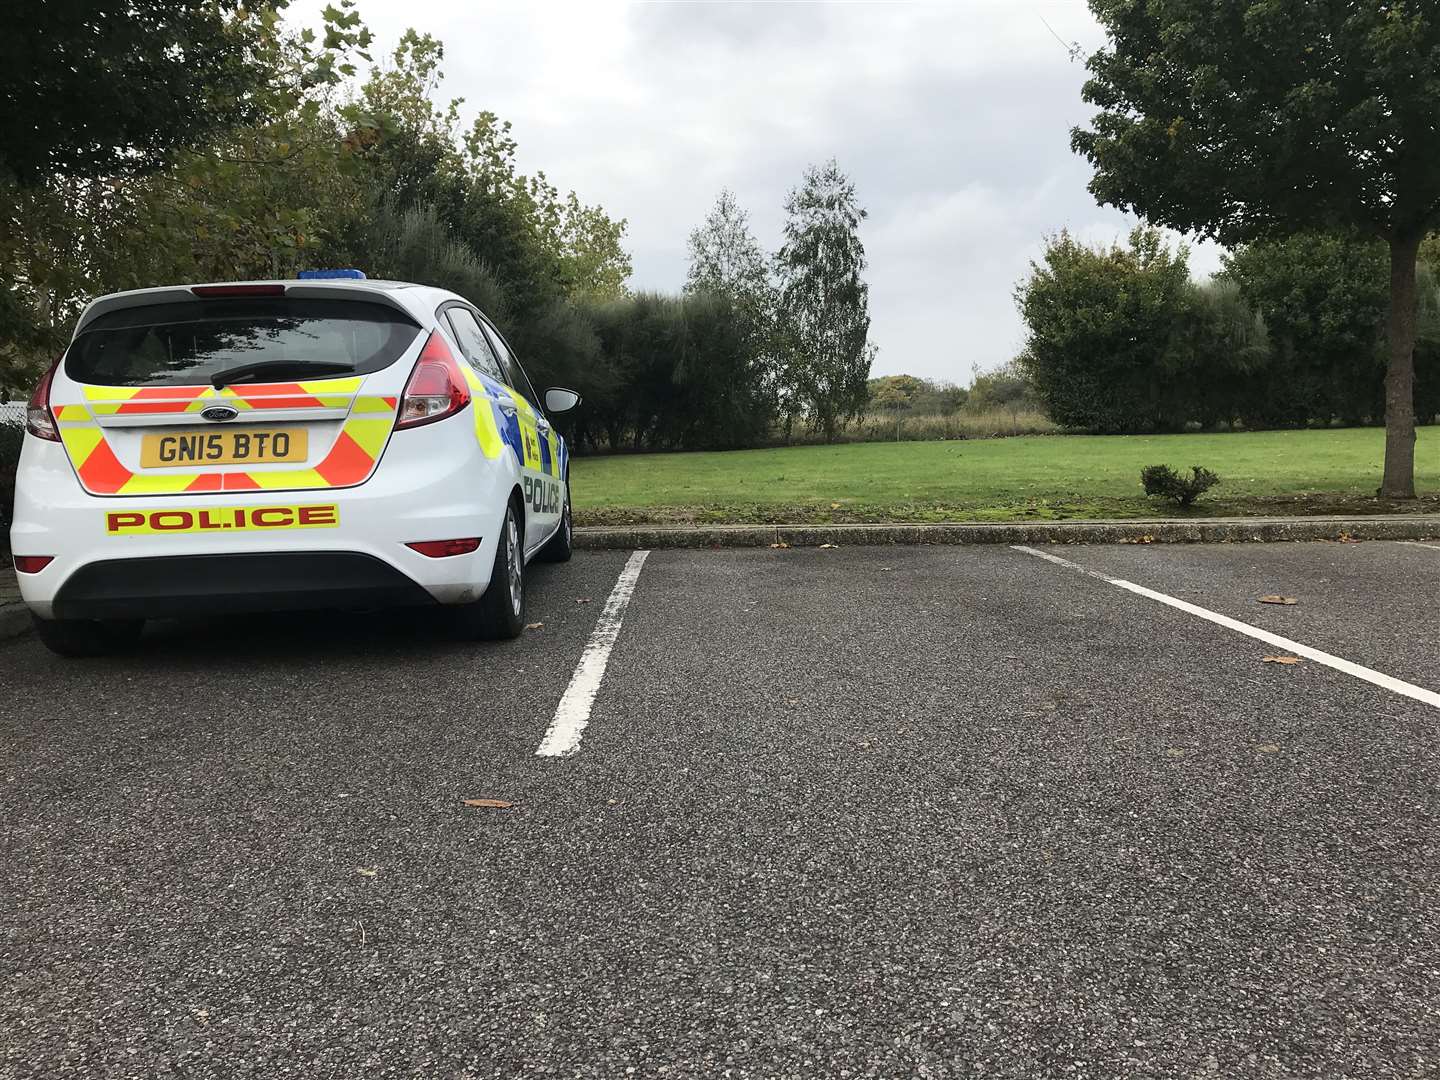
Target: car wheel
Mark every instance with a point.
(500, 613)
(87, 637)
(559, 547)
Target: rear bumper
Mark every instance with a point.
(185, 585)
(432, 484)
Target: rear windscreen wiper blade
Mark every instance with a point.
(246, 371)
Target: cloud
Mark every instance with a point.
(952, 119)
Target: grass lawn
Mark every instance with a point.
(1027, 478)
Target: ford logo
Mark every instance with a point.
(219, 412)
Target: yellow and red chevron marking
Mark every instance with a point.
(350, 461)
(155, 400)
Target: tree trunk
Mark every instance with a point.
(1399, 480)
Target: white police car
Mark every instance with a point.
(329, 442)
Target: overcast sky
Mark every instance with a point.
(953, 120)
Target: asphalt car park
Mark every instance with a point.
(953, 811)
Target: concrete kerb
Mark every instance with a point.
(1159, 531)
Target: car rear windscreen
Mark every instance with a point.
(189, 343)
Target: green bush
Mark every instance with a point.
(1163, 482)
(1102, 328)
(1291, 333)
(11, 436)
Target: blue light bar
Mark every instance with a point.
(330, 275)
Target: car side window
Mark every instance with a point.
(473, 342)
(514, 373)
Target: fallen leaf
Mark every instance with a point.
(1269, 748)
(1346, 538)
(493, 804)
(1280, 660)
(1176, 753)
(834, 506)
(534, 626)
(367, 871)
(781, 544)
(1288, 601)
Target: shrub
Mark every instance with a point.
(1164, 482)
(1102, 328)
(1007, 388)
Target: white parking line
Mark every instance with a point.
(562, 738)
(1417, 543)
(1387, 682)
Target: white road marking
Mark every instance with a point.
(1417, 543)
(1349, 667)
(562, 738)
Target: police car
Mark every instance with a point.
(327, 442)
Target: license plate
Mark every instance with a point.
(234, 446)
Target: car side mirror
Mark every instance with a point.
(558, 399)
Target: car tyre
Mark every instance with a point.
(87, 637)
(499, 614)
(560, 546)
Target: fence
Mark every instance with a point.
(12, 412)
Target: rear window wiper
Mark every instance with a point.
(246, 371)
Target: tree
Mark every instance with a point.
(594, 264)
(726, 261)
(719, 372)
(824, 318)
(414, 245)
(897, 393)
(248, 203)
(1220, 363)
(1008, 387)
(382, 179)
(724, 257)
(1102, 324)
(111, 87)
(1248, 119)
(545, 247)
(1323, 298)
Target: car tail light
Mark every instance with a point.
(39, 420)
(32, 564)
(210, 291)
(439, 549)
(436, 388)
